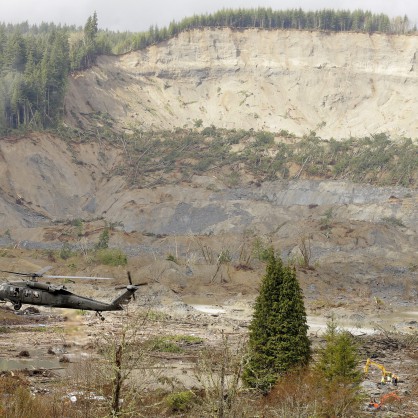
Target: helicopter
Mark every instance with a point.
(33, 292)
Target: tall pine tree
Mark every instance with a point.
(278, 338)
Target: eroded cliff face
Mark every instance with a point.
(358, 235)
(337, 84)
(46, 181)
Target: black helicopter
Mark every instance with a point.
(33, 292)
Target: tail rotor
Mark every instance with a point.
(130, 285)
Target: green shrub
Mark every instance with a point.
(203, 164)
(260, 249)
(209, 131)
(224, 257)
(77, 222)
(171, 257)
(66, 252)
(232, 179)
(286, 133)
(180, 401)
(187, 339)
(391, 220)
(264, 138)
(165, 345)
(103, 239)
(338, 358)
(4, 330)
(198, 123)
(157, 316)
(111, 257)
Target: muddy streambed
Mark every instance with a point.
(33, 342)
(35, 362)
(68, 340)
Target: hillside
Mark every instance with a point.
(337, 84)
(56, 192)
(164, 152)
(160, 192)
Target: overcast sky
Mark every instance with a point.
(139, 15)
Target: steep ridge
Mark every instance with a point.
(337, 84)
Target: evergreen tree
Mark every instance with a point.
(338, 359)
(278, 338)
(15, 52)
(91, 28)
(103, 240)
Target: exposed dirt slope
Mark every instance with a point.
(337, 84)
(45, 180)
(362, 240)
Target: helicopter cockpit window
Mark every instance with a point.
(36, 294)
(14, 291)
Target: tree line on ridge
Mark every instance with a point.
(35, 60)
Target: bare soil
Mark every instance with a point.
(337, 84)
(207, 306)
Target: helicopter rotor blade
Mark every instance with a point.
(78, 277)
(42, 271)
(121, 286)
(18, 273)
(130, 282)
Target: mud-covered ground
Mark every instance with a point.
(53, 344)
(200, 303)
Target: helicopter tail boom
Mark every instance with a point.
(125, 297)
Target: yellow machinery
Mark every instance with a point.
(387, 377)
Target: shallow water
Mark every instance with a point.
(28, 363)
(209, 309)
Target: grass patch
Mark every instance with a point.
(165, 345)
(173, 343)
(5, 253)
(81, 312)
(157, 316)
(111, 257)
(34, 329)
(5, 330)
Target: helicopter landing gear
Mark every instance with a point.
(99, 314)
(17, 306)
